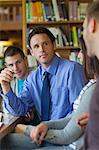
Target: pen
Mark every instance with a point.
(1, 118)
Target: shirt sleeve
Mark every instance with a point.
(18, 105)
(58, 124)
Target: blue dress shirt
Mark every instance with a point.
(67, 80)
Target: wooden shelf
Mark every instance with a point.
(10, 26)
(64, 53)
(9, 2)
(68, 48)
(22, 24)
(53, 23)
(11, 15)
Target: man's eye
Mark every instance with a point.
(10, 65)
(45, 43)
(36, 46)
(18, 62)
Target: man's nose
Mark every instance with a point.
(15, 67)
(41, 48)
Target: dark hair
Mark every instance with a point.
(40, 30)
(91, 64)
(13, 50)
(93, 10)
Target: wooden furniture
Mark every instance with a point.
(22, 24)
(11, 21)
(9, 124)
(64, 51)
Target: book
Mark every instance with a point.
(58, 36)
(64, 9)
(74, 56)
(70, 12)
(75, 8)
(28, 11)
(83, 7)
(56, 11)
(48, 12)
(34, 11)
(40, 11)
(75, 37)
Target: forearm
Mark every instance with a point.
(54, 124)
(15, 105)
(58, 124)
(28, 130)
(6, 89)
(64, 136)
(71, 132)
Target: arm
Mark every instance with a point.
(6, 76)
(71, 132)
(15, 105)
(18, 105)
(41, 129)
(58, 124)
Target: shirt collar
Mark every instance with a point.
(53, 66)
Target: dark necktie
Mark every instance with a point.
(45, 98)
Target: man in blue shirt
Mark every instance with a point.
(67, 79)
(15, 59)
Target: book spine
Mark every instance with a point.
(75, 38)
(28, 11)
(56, 11)
(70, 10)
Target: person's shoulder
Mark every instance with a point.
(69, 63)
(33, 72)
(89, 87)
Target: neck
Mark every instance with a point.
(26, 74)
(46, 65)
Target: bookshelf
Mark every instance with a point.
(32, 19)
(10, 25)
(11, 22)
(16, 28)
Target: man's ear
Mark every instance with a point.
(54, 45)
(92, 25)
(31, 51)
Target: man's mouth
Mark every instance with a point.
(17, 73)
(43, 55)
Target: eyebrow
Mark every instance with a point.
(15, 62)
(41, 42)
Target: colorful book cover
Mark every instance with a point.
(75, 38)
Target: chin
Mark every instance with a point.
(43, 61)
(18, 77)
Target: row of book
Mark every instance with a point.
(62, 37)
(74, 56)
(54, 10)
(10, 13)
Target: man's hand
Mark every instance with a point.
(38, 133)
(20, 128)
(30, 115)
(83, 119)
(6, 76)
